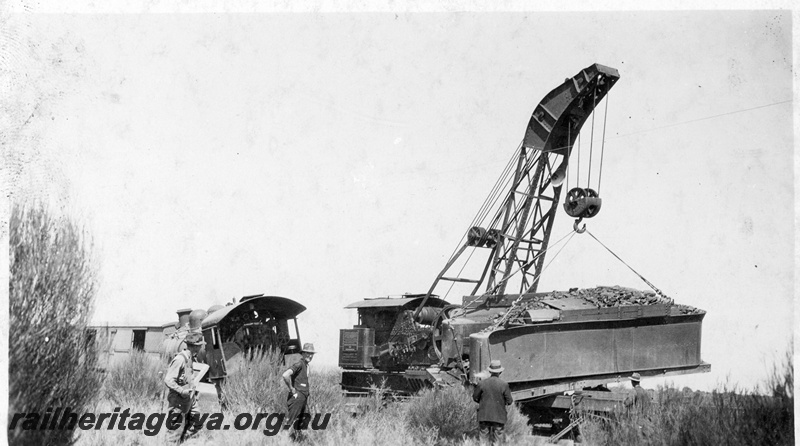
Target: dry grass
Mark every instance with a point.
(727, 416)
(447, 417)
(137, 380)
(256, 385)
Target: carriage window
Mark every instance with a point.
(138, 339)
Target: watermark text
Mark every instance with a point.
(151, 424)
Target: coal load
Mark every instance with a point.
(611, 296)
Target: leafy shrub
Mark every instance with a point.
(453, 413)
(450, 410)
(517, 426)
(52, 287)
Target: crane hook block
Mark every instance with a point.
(582, 203)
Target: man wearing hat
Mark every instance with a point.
(637, 397)
(492, 395)
(296, 379)
(180, 381)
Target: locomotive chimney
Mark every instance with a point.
(196, 320)
(183, 317)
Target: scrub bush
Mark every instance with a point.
(453, 413)
(51, 291)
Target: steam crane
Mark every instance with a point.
(550, 342)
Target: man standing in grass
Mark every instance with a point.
(638, 404)
(492, 395)
(181, 398)
(637, 397)
(296, 379)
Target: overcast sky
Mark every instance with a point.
(336, 156)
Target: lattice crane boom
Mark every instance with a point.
(517, 232)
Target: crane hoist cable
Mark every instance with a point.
(519, 299)
(658, 292)
(591, 139)
(585, 202)
(650, 284)
(603, 147)
(492, 198)
(487, 293)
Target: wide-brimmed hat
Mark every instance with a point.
(636, 377)
(194, 339)
(495, 366)
(308, 348)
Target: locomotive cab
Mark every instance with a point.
(256, 324)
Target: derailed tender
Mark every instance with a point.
(548, 342)
(561, 341)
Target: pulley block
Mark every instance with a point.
(582, 203)
(479, 237)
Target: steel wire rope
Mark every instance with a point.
(527, 262)
(489, 201)
(603, 147)
(571, 234)
(591, 138)
(505, 279)
(506, 182)
(528, 166)
(529, 163)
(685, 122)
(569, 142)
(620, 136)
(703, 118)
(660, 294)
(499, 186)
(578, 173)
(516, 302)
(496, 192)
(629, 134)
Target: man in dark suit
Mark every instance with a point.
(637, 397)
(492, 395)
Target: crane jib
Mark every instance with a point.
(558, 118)
(543, 157)
(516, 228)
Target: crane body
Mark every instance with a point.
(548, 342)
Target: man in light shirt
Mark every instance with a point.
(296, 379)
